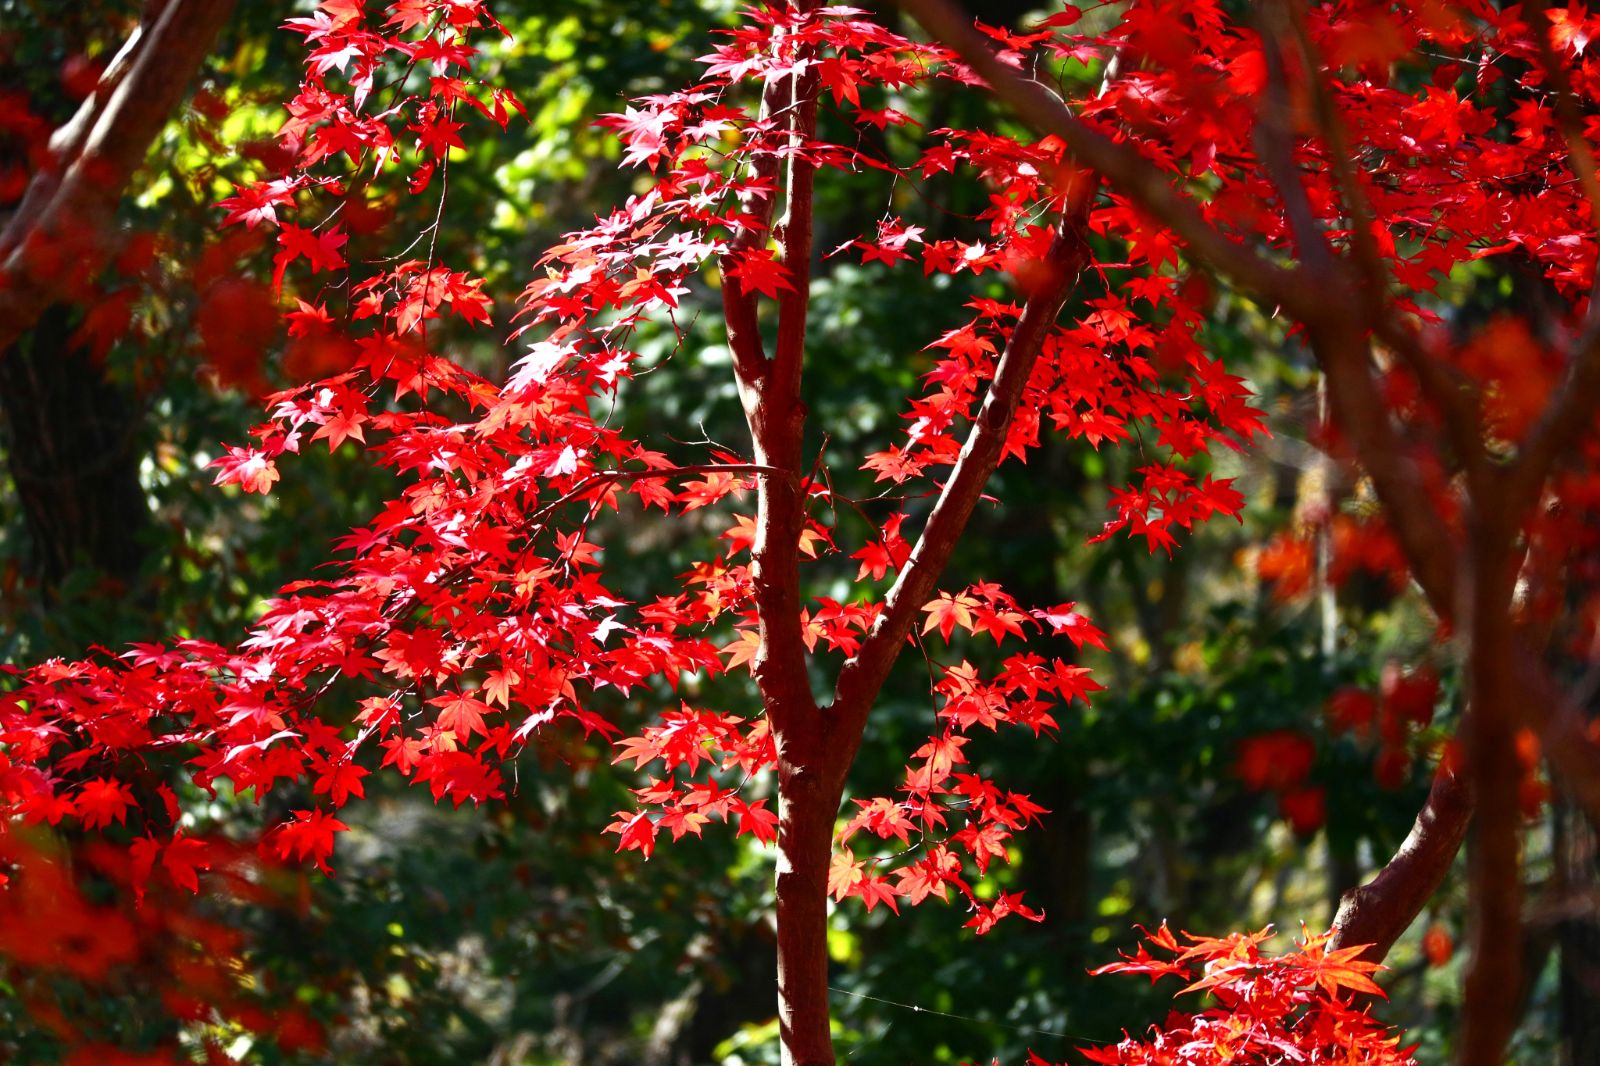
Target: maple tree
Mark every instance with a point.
(1492, 435)
(1333, 162)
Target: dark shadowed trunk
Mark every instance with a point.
(71, 448)
(69, 432)
(1578, 933)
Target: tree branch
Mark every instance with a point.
(1570, 412)
(1573, 408)
(1125, 169)
(1275, 145)
(95, 156)
(739, 308)
(1489, 1005)
(1341, 160)
(777, 424)
(794, 230)
(1282, 21)
(1565, 736)
(1343, 349)
(1344, 355)
(1569, 117)
(1376, 913)
(863, 674)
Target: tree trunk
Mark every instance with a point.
(806, 808)
(1489, 1011)
(61, 232)
(1579, 935)
(70, 440)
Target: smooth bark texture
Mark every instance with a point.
(58, 239)
(1489, 1014)
(769, 389)
(806, 808)
(1376, 913)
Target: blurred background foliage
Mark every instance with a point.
(1206, 786)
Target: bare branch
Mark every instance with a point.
(1376, 913)
(1429, 546)
(96, 156)
(1275, 145)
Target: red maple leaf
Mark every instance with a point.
(461, 714)
(309, 836)
(758, 270)
(102, 801)
(947, 612)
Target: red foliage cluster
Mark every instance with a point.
(474, 609)
(1401, 710)
(85, 916)
(1308, 1005)
(474, 604)
(1356, 548)
(1279, 761)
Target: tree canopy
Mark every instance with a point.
(1101, 465)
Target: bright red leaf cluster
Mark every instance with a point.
(1309, 1005)
(474, 606)
(474, 609)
